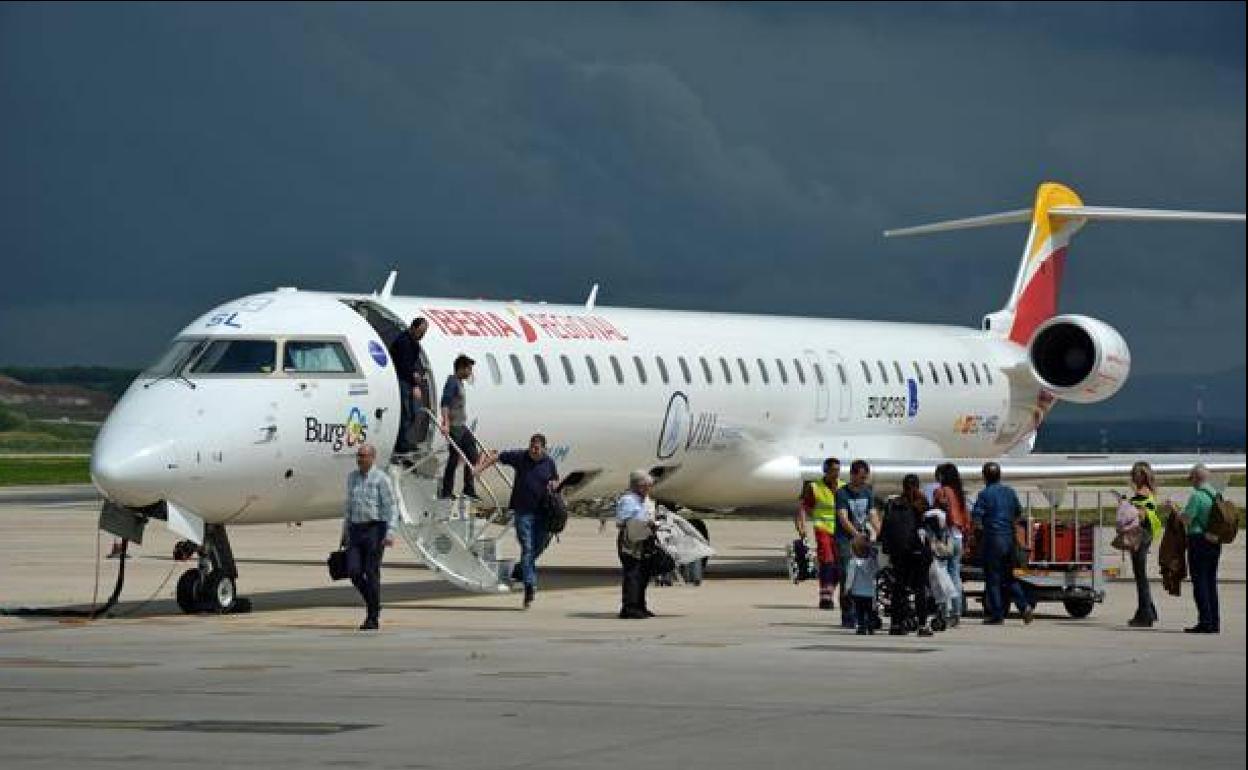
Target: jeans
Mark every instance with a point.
(864, 606)
(998, 558)
(464, 439)
(1144, 610)
(533, 537)
(364, 550)
(1202, 561)
(953, 565)
(844, 552)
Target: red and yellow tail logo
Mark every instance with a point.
(1039, 280)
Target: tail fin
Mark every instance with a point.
(1039, 279)
(1057, 215)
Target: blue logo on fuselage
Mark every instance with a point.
(913, 387)
(378, 353)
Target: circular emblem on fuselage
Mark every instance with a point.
(377, 352)
(675, 424)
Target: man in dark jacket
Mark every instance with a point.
(409, 367)
(536, 476)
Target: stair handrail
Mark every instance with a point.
(450, 442)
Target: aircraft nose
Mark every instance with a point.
(132, 465)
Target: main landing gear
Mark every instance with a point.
(213, 585)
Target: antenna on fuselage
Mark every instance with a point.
(593, 297)
(388, 287)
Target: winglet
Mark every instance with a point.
(593, 297)
(388, 288)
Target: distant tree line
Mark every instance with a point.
(102, 378)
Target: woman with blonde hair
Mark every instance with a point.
(1144, 498)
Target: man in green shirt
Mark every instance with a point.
(1203, 552)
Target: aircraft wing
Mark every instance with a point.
(1045, 469)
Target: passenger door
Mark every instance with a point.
(819, 378)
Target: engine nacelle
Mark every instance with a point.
(1079, 359)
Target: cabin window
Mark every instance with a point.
(918, 372)
(592, 366)
(965, 380)
(567, 370)
(237, 357)
(762, 371)
(866, 371)
(987, 373)
(706, 371)
(175, 357)
(641, 369)
(935, 374)
(801, 374)
(619, 371)
(727, 371)
(496, 374)
(662, 369)
(883, 372)
(316, 357)
(975, 371)
(517, 368)
(745, 373)
(818, 373)
(541, 369)
(684, 370)
(948, 373)
(784, 375)
(901, 378)
(840, 370)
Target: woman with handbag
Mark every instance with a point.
(1144, 498)
(636, 544)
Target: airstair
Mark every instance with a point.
(457, 538)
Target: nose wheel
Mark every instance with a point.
(212, 586)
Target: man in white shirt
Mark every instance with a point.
(634, 516)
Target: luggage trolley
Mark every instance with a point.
(1065, 561)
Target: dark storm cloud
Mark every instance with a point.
(157, 159)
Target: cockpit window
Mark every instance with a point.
(237, 357)
(316, 357)
(174, 358)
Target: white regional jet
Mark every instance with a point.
(253, 414)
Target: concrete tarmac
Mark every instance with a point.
(741, 672)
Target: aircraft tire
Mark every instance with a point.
(220, 594)
(188, 592)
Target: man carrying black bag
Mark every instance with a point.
(637, 545)
(368, 525)
(535, 482)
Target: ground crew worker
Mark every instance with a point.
(818, 501)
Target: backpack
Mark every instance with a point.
(1223, 520)
(556, 510)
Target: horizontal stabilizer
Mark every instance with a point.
(1105, 213)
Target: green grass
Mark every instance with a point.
(44, 470)
(32, 441)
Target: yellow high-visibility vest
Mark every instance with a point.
(824, 512)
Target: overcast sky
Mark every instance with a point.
(158, 159)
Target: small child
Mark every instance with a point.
(864, 566)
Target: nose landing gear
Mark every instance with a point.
(211, 586)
